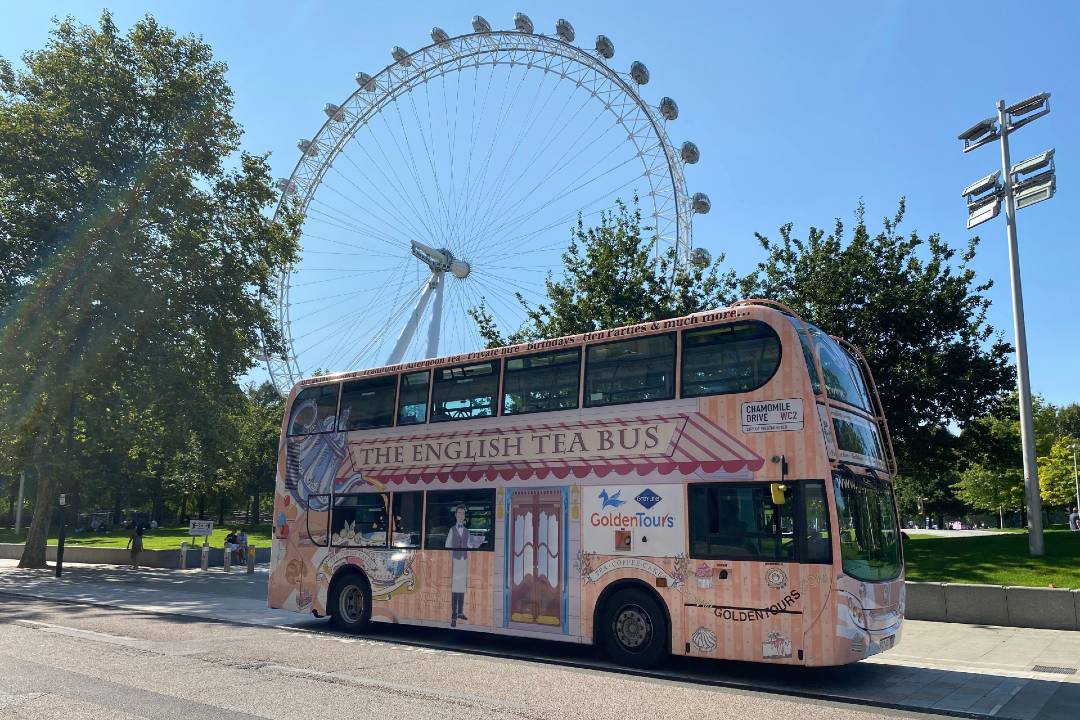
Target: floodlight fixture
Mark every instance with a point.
(979, 134)
(1021, 113)
(1033, 164)
(1035, 189)
(975, 190)
(986, 209)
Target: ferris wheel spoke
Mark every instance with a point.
(501, 115)
(399, 302)
(442, 216)
(429, 151)
(526, 127)
(402, 216)
(397, 183)
(552, 134)
(525, 216)
(392, 218)
(570, 149)
(410, 162)
(347, 220)
(473, 130)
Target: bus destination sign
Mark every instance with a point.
(772, 415)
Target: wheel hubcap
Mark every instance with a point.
(351, 604)
(633, 628)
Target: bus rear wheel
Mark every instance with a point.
(633, 629)
(350, 604)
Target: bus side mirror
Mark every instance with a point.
(778, 491)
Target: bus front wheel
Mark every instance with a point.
(633, 629)
(350, 604)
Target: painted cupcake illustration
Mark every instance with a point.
(703, 573)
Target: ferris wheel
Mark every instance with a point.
(454, 177)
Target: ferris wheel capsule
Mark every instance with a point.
(334, 112)
(604, 47)
(700, 203)
(523, 23)
(286, 187)
(639, 73)
(480, 25)
(690, 153)
(700, 257)
(564, 30)
(401, 55)
(669, 108)
(439, 36)
(365, 81)
(307, 147)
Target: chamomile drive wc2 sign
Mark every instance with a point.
(772, 415)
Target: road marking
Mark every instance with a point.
(87, 634)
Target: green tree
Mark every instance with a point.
(915, 309)
(614, 275)
(1057, 481)
(254, 461)
(994, 490)
(130, 255)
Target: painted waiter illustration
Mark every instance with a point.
(459, 540)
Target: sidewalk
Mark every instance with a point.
(964, 670)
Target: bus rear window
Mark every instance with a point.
(629, 371)
(736, 357)
(313, 410)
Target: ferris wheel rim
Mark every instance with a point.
(285, 370)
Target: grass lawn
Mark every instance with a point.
(164, 538)
(995, 559)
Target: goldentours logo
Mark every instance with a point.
(647, 498)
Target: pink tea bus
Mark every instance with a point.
(716, 485)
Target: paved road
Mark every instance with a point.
(79, 661)
(151, 640)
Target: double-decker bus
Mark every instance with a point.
(715, 485)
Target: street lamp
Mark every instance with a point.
(1076, 478)
(1026, 183)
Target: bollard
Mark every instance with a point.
(205, 557)
(251, 559)
(226, 559)
(182, 565)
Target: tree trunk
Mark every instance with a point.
(256, 510)
(181, 507)
(202, 505)
(155, 513)
(221, 510)
(13, 500)
(33, 555)
(1001, 518)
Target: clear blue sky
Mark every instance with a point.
(800, 109)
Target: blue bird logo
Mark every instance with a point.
(610, 500)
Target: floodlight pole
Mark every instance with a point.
(1023, 384)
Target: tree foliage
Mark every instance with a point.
(136, 257)
(1057, 478)
(915, 308)
(614, 274)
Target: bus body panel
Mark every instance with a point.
(570, 486)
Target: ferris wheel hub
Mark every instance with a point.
(441, 260)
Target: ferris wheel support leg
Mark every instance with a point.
(435, 326)
(409, 331)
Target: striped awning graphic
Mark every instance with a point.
(687, 443)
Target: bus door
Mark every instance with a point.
(744, 581)
(536, 574)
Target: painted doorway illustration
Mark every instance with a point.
(536, 572)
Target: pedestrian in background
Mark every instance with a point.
(242, 541)
(1074, 519)
(135, 542)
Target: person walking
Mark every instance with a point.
(242, 542)
(1074, 520)
(135, 543)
